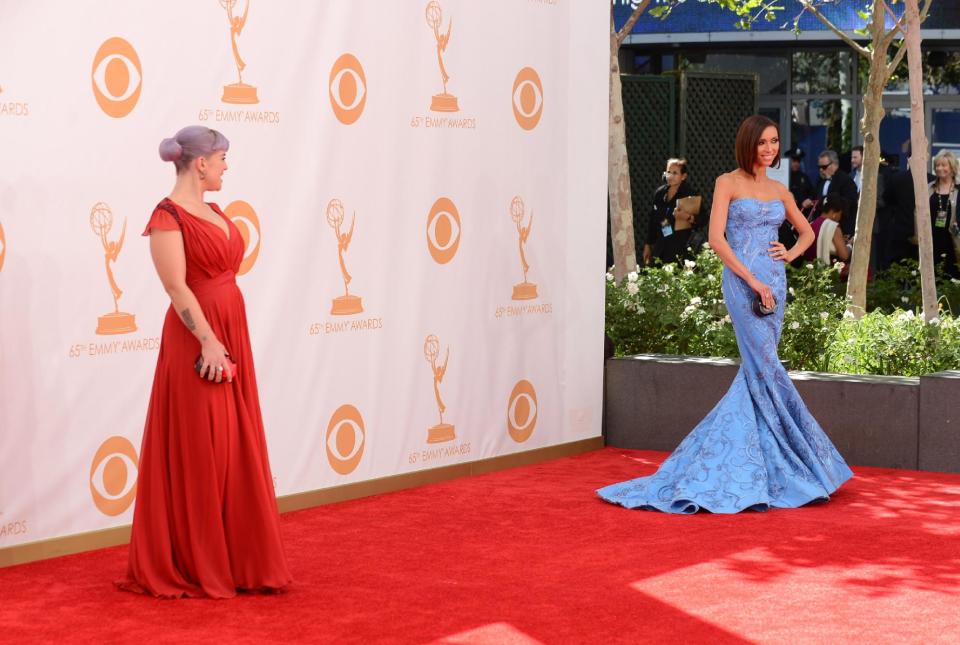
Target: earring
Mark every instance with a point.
(203, 175)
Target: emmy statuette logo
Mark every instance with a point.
(527, 98)
(443, 230)
(348, 89)
(443, 102)
(238, 92)
(346, 437)
(113, 476)
(431, 350)
(522, 411)
(117, 77)
(346, 304)
(101, 221)
(525, 290)
(3, 247)
(245, 219)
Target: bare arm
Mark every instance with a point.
(840, 245)
(166, 248)
(722, 194)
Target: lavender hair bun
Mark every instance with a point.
(170, 150)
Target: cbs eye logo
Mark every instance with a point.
(527, 98)
(245, 219)
(522, 411)
(346, 438)
(113, 476)
(443, 230)
(117, 77)
(348, 89)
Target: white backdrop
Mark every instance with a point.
(88, 90)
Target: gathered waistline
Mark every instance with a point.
(202, 287)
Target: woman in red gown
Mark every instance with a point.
(206, 522)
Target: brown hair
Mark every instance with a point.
(748, 136)
(690, 204)
(681, 163)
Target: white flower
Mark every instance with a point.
(824, 315)
(791, 291)
(809, 266)
(848, 314)
(839, 266)
(609, 277)
(851, 341)
(689, 310)
(904, 299)
(906, 316)
(954, 281)
(705, 245)
(696, 300)
(689, 264)
(934, 321)
(726, 319)
(913, 273)
(632, 276)
(641, 310)
(795, 325)
(669, 268)
(632, 288)
(712, 278)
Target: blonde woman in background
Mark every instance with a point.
(943, 211)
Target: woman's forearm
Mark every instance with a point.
(723, 250)
(188, 309)
(804, 240)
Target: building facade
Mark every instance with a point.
(810, 81)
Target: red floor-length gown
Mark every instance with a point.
(206, 522)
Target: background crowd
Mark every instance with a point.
(675, 228)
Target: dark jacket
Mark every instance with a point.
(801, 187)
(662, 209)
(842, 186)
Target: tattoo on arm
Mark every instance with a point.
(188, 320)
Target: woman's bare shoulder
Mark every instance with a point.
(728, 179)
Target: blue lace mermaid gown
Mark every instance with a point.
(759, 447)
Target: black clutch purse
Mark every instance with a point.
(759, 309)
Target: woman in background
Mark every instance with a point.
(661, 222)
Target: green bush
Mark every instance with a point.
(899, 288)
(679, 309)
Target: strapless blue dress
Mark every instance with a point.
(759, 447)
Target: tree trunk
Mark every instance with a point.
(618, 175)
(918, 161)
(867, 208)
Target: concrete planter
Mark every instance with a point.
(653, 401)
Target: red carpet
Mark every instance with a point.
(532, 556)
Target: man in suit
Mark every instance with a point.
(856, 163)
(834, 181)
(800, 185)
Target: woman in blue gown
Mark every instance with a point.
(759, 447)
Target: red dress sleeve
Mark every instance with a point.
(162, 220)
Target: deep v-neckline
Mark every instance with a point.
(223, 231)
